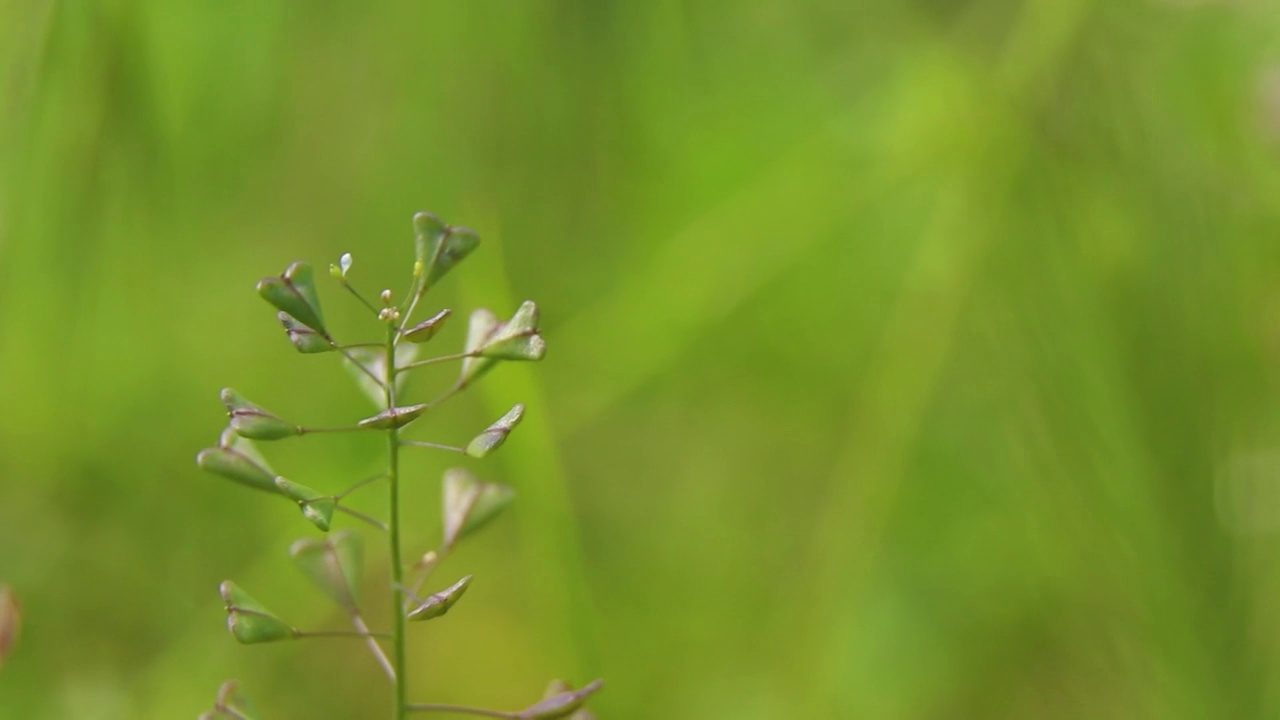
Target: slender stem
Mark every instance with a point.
(357, 486)
(422, 579)
(436, 446)
(352, 346)
(374, 647)
(453, 390)
(404, 318)
(340, 634)
(361, 516)
(462, 709)
(434, 360)
(397, 568)
(344, 428)
(372, 375)
(360, 297)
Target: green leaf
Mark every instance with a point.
(428, 328)
(10, 622)
(249, 621)
(470, 503)
(481, 325)
(560, 704)
(439, 603)
(304, 338)
(375, 359)
(496, 434)
(315, 505)
(253, 421)
(440, 247)
(393, 417)
(517, 338)
(294, 292)
(236, 458)
(333, 564)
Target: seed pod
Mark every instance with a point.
(316, 506)
(304, 338)
(237, 459)
(440, 247)
(439, 603)
(496, 434)
(393, 417)
(426, 329)
(333, 564)
(561, 704)
(294, 292)
(253, 421)
(249, 621)
(470, 503)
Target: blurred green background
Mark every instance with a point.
(907, 359)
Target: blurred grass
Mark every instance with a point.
(904, 356)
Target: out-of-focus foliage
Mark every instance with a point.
(907, 359)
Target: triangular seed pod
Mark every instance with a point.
(482, 324)
(440, 247)
(427, 329)
(561, 704)
(304, 338)
(231, 462)
(249, 621)
(518, 338)
(253, 421)
(231, 704)
(470, 503)
(439, 603)
(294, 292)
(496, 434)
(393, 417)
(315, 505)
(333, 564)
(375, 359)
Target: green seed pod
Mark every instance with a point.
(231, 704)
(333, 564)
(440, 247)
(517, 338)
(232, 462)
(480, 326)
(294, 292)
(304, 338)
(316, 506)
(561, 704)
(253, 421)
(439, 603)
(496, 434)
(393, 417)
(426, 329)
(249, 621)
(470, 503)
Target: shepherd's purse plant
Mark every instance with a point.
(334, 561)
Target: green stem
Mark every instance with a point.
(397, 568)
(462, 710)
